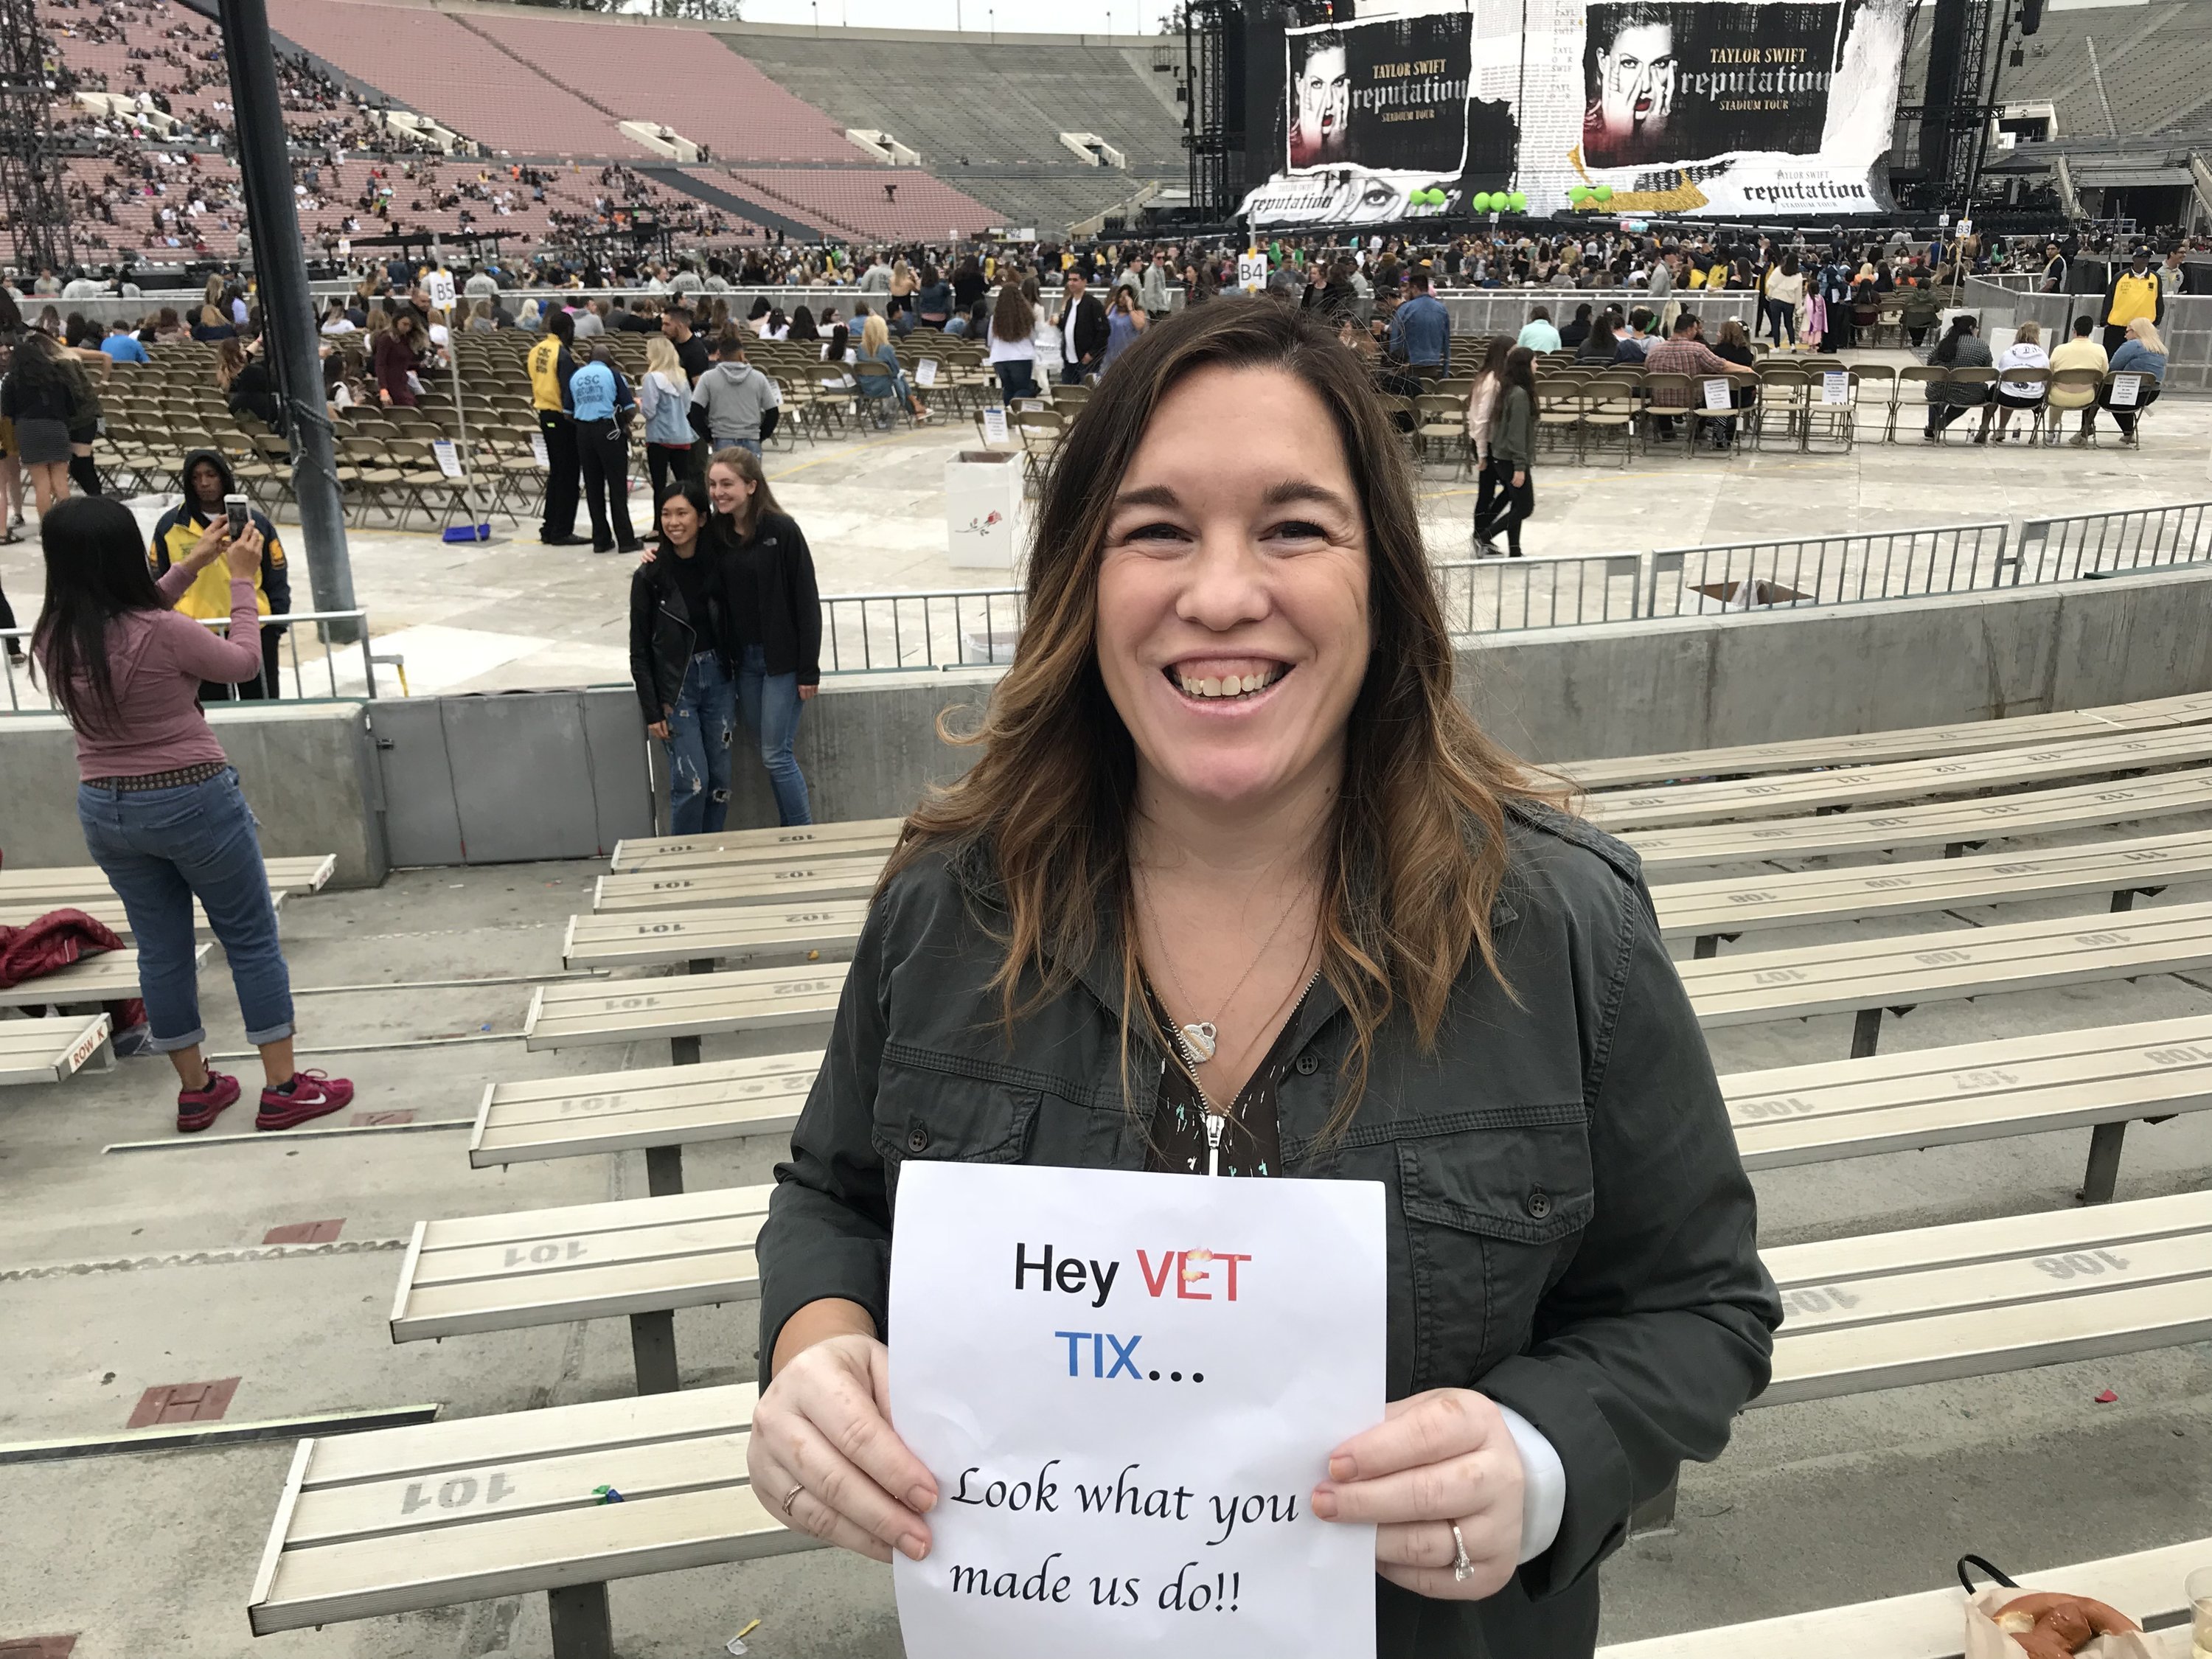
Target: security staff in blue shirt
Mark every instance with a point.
(1420, 332)
(601, 402)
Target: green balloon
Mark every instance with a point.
(1518, 201)
(1603, 192)
(1578, 194)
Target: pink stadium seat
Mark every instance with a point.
(451, 72)
(852, 199)
(681, 78)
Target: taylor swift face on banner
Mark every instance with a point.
(1320, 104)
(1626, 121)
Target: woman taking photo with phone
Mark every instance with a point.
(1236, 887)
(161, 806)
(680, 652)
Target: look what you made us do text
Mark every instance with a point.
(1126, 1387)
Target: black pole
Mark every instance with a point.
(288, 310)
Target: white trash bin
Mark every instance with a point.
(984, 516)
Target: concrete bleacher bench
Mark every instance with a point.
(852, 837)
(645, 1257)
(1864, 976)
(659, 1111)
(108, 912)
(1862, 1314)
(682, 1009)
(405, 1520)
(2099, 1078)
(74, 884)
(1868, 748)
(1955, 826)
(53, 1047)
(1977, 1298)
(1786, 793)
(2146, 1586)
(752, 933)
(111, 977)
(1710, 911)
(823, 880)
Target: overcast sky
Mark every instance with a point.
(1035, 16)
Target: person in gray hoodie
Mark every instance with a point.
(733, 403)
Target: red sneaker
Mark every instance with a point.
(197, 1107)
(311, 1094)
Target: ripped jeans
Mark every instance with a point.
(699, 734)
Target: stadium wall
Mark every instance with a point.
(561, 774)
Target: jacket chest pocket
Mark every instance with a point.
(921, 1113)
(1492, 1217)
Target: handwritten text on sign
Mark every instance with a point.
(1126, 1386)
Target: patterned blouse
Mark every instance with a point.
(1182, 1140)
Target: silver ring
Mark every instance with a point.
(800, 1487)
(1462, 1569)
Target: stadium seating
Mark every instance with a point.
(459, 76)
(675, 77)
(854, 200)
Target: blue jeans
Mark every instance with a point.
(753, 444)
(163, 848)
(699, 734)
(772, 705)
(1017, 378)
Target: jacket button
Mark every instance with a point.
(1308, 1065)
(917, 1139)
(1540, 1203)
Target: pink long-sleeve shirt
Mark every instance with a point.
(159, 658)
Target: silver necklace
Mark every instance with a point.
(1202, 1038)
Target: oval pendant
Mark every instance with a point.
(1201, 1037)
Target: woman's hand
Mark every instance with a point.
(206, 550)
(1520, 476)
(658, 729)
(1438, 1460)
(824, 1459)
(243, 555)
(807, 692)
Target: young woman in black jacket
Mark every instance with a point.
(777, 615)
(680, 636)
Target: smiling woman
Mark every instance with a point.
(1236, 887)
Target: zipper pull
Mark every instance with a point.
(1215, 1124)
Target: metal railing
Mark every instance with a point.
(942, 628)
(1509, 596)
(1893, 564)
(2087, 544)
(340, 645)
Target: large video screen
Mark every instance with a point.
(1767, 108)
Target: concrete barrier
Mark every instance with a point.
(306, 769)
(869, 746)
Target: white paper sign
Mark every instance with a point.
(925, 371)
(439, 285)
(2126, 388)
(1717, 395)
(449, 459)
(537, 450)
(1836, 386)
(1128, 1385)
(994, 424)
(1251, 271)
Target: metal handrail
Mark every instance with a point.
(2136, 539)
(354, 636)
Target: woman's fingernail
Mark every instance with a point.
(922, 1500)
(913, 1546)
(1341, 1467)
(1324, 1503)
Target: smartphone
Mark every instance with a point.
(237, 508)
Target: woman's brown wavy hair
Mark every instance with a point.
(1417, 852)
